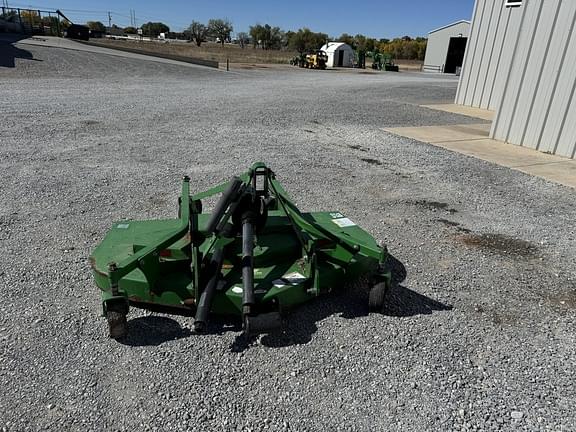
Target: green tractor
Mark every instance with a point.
(255, 257)
(299, 60)
(382, 61)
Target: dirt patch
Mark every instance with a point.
(371, 161)
(435, 205)
(456, 225)
(567, 299)
(497, 317)
(357, 147)
(503, 318)
(500, 244)
(448, 222)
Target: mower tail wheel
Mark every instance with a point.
(262, 323)
(199, 327)
(117, 325)
(377, 297)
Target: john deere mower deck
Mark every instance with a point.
(255, 256)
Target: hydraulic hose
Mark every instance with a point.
(205, 302)
(223, 203)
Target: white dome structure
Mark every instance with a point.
(339, 54)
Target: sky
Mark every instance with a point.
(378, 19)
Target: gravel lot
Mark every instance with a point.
(479, 333)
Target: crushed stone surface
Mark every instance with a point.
(478, 334)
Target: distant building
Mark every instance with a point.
(339, 54)
(446, 47)
(520, 63)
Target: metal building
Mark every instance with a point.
(446, 46)
(339, 54)
(520, 62)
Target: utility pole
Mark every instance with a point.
(109, 20)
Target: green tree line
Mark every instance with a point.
(267, 37)
(404, 48)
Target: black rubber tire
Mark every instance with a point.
(262, 323)
(199, 327)
(377, 297)
(117, 324)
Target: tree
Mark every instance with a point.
(257, 34)
(347, 39)
(9, 15)
(370, 44)
(95, 25)
(267, 37)
(405, 48)
(153, 29)
(273, 37)
(287, 36)
(360, 41)
(130, 30)
(220, 28)
(197, 32)
(306, 40)
(30, 17)
(243, 39)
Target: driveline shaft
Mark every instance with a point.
(247, 264)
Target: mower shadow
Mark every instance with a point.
(153, 331)
(349, 304)
(301, 324)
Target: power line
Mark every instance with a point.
(29, 6)
(82, 13)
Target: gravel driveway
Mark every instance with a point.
(479, 333)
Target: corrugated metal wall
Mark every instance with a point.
(493, 38)
(520, 62)
(538, 107)
(438, 42)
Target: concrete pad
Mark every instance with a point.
(550, 167)
(559, 172)
(56, 42)
(463, 110)
(500, 153)
(434, 134)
